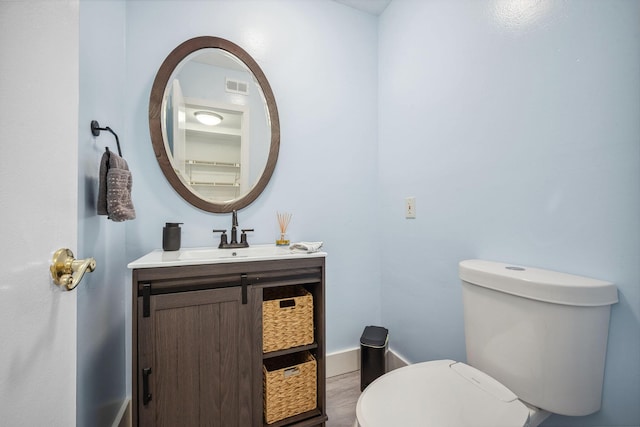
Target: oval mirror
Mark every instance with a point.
(214, 124)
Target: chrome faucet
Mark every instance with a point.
(234, 235)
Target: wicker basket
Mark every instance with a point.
(290, 386)
(287, 318)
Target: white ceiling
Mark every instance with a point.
(374, 7)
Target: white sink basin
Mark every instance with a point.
(250, 252)
(196, 256)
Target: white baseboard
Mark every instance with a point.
(343, 362)
(123, 418)
(395, 361)
(346, 361)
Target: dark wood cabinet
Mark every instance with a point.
(195, 356)
(197, 342)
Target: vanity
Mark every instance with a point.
(232, 336)
(197, 339)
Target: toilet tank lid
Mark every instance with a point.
(538, 284)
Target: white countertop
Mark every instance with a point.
(212, 255)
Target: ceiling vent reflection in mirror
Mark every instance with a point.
(237, 86)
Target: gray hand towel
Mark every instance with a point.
(102, 184)
(114, 193)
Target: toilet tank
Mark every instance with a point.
(542, 334)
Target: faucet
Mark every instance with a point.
(234, 226)
(234, 235)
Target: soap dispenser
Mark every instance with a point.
(171, 236)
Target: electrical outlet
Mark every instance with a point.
(410, 207)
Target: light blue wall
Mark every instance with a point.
(519, 135)
(521, 144)
(103, 295)
(320, 59)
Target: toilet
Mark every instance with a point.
(536, 342)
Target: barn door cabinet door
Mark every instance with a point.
(194, 362)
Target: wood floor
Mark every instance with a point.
(342, 395)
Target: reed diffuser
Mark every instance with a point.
(283, 223)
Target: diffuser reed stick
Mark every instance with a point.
(283, 223)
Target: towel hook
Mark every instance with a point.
(95, 130)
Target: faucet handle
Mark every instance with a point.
(223, 237)
(243, 236)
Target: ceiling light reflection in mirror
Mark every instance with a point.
(208, 118)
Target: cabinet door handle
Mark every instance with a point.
(146, 395)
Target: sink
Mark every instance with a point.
(257, 251)
(197, 256)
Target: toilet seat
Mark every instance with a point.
(441, 393)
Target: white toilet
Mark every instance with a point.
(536, 343)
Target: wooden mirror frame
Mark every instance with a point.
(155, 123)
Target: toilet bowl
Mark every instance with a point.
(535, 342)
(442, 393)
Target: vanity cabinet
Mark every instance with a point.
(197, 351)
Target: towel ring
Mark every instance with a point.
(95, 130)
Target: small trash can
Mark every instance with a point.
(373, 354)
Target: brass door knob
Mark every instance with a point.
(68, 271)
